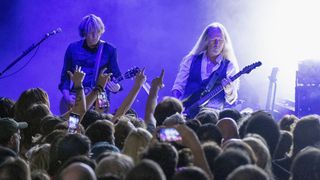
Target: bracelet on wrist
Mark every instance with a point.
(99, 88)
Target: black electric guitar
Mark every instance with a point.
(193, 103)
(64, 106)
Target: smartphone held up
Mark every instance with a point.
(103, 102)
(73, 122)
(169, 135)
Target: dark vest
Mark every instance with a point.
(195, 82)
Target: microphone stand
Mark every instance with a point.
(24, 53)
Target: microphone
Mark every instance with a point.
(54, 32)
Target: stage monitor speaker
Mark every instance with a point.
(307, 100)
(307, 96)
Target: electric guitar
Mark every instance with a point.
(194, 102)
(64, 106)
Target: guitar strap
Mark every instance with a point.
(215, 75)
(97, 64)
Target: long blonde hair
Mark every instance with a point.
(136, 142)
(202, 45)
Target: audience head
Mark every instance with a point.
(101, 130)
(138, 123)
(67, 147)
(73, 145)
(33, 116)
(306, 133)
(122, 130)
(39, 175)
(185, 158)
(115, 164)
(193, 124)
(165, 155)
(228, 128)
(239, 145)
(228, 161)
(77, 171)
(78, 159)
(207, 116)
(48, 124)
(55, 134)
(10, 133)
(90, 117)
(306, 165)
(6, 153)
(146, 170)
(263, 124)
(174, 120)
(167, 107)
(6, 107)
(261, 152)
(15, 168)
(137, 140)
(209, 132)
(39, 157)
(27, 99)
(190, 173)
(248, 172)
(230, 113)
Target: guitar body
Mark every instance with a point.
(192, 103)
(196, 95)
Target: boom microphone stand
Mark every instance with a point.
(27, 51)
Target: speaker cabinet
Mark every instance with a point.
(307, 100)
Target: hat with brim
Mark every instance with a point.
(9, 126)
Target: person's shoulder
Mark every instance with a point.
(196, 57)
(75, 44)
(108, 45)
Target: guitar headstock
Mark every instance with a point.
(250, 67)
(131, 72)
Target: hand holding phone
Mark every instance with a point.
(169, 135)
(73, 122)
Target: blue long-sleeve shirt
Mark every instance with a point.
(78, 53)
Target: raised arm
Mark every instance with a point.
(190, 140)
(80, 103)
(156, 85)
(128, 101)
(103, 79)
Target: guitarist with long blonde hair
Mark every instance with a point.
(208, 64)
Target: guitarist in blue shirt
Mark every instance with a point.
(93, 55)
(210, 63)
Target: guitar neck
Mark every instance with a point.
(118, 79)
(236, 76)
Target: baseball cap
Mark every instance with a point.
(9, 126)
